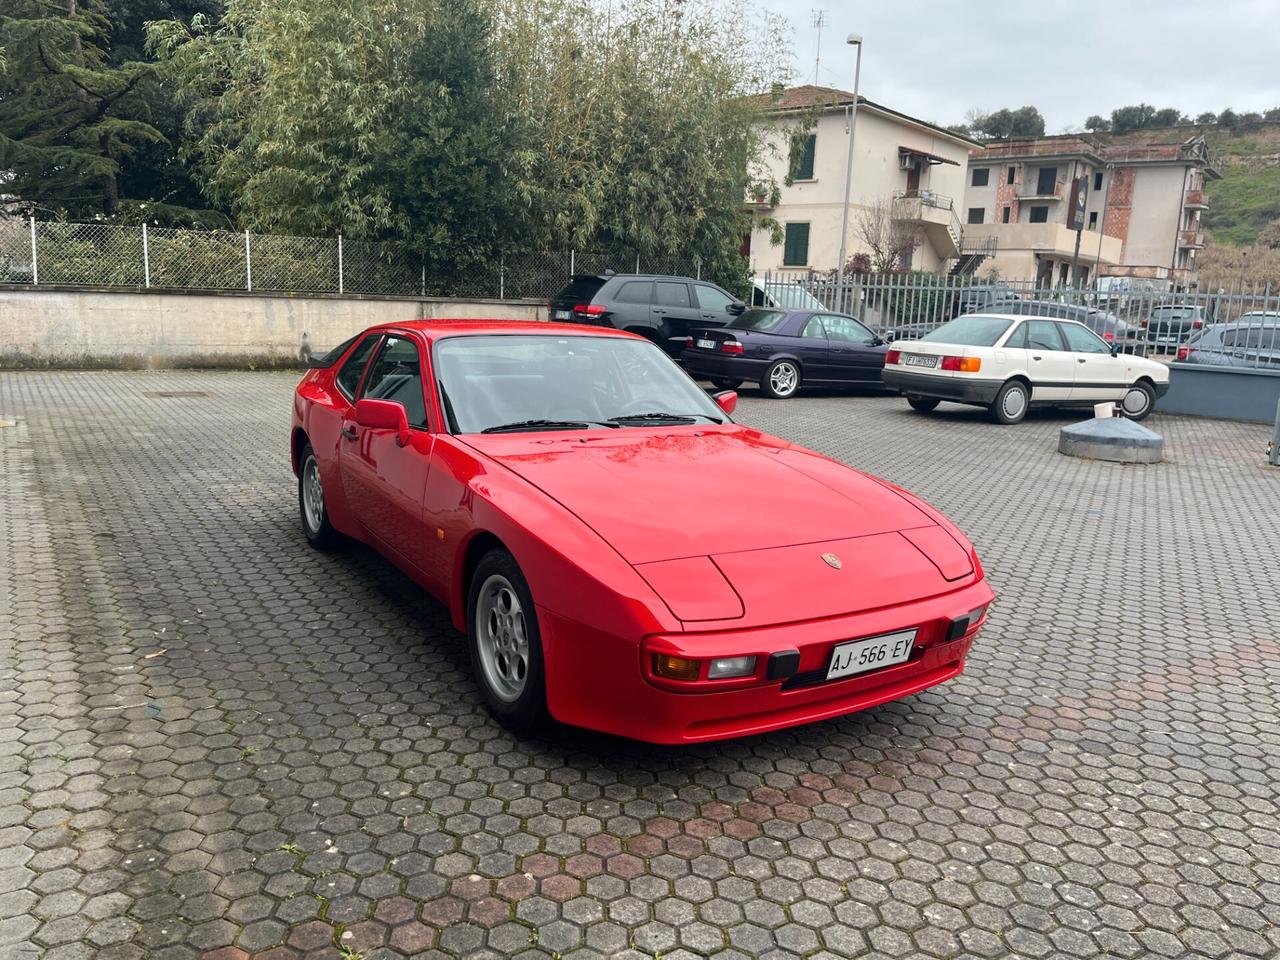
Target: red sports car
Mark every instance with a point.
(620, 553)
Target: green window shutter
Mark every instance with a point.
(795, 249)
(804, 171)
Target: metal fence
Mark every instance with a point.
(1232, 324)
(143, 257)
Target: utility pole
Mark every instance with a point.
(854, 40)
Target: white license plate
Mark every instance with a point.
(561, 314)
(706, 344)
(859, 656)
(919, 360)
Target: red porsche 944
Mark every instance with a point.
(620, 554)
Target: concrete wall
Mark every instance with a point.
(1157, 202)
(1229, 393)
(76, 327)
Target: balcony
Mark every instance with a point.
(1195, 200)
(1191, 239)
(1051, 240)
(1033, 192)
(936, 216)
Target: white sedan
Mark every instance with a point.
(1009, 364)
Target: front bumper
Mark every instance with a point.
(962, 389)
(1161, 389)
(598, 681)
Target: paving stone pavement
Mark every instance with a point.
(217, 743)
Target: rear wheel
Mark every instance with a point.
(923, 404)
(311, 506)
(1137, 403)
(781, 380)
(724, 383)
(1011, 403)
(506, 646)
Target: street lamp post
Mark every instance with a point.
(855, 40)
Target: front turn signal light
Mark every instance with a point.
(674, 668)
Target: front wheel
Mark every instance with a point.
(781, 380)
(506, 646)
(1011, 403)
(923, 404)
(1137, 403)
(311, 505)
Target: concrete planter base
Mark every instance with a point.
(1115, 439)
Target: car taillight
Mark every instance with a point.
(589, 309)
(893, 356)
(1142, 324)
(1108, 336)
(1197, 324)
(731, 346)
(1184, 353)
(962, 364)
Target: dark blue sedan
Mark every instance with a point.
(782, 349)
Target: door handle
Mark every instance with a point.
(349, 432)
(1037, 358)
(1080, 359)
(660, 312)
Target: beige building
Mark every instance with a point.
(916, 168)
(1142, 213)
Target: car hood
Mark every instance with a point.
(658, 495)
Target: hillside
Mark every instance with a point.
(1248, 157)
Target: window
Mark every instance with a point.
(349, 376)
(672, 294)
(1093, 219)
(804, 162)
(795, 248)
(846, 330)
(1017, 339)
(1038, 215)
(711, 298)
(981, 176)
(814, 330)
(1097, 180)
(1043, 335)
(977, 214)
(757, 320)
(1082, 339)
(971, 330)
(1004, 215)
(1012, 173)
(397, 376)
(1046, 181)
(635, 291)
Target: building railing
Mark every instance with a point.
(1191, 238)
(1195, 198)
(1035, 193)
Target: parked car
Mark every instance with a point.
(1170, 324)
(662, 309)
(1251, 341)
(782, 349)
(979, 296)
(620, 554)
(1009, 363)
(783, 294)
(1106, 325)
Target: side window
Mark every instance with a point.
(814, 330)
(349, 374)
(1082, 340)
(709, 298)
(846, 330)
(671, 294)
(1043, 335)
(397, 375)
(635, 291)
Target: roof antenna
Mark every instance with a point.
(817, 20)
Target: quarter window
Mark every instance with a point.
(397, 376)
(671, 294)
(349, 374)
(635, 291)
(795, 248)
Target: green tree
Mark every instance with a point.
(1097, 124)
(1208, 117)
(1136, 117)
(1228, 118)
(1005, 123)
(1168, 117)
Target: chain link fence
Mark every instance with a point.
(107, 255)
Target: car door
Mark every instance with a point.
(714, 304)
(674, 311)
(632, 305)
(1099, 374)
(855, 355)
(1051, 365)
(813, 350)
(384, 482)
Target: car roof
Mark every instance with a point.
(440, 328)
(1025, 316)
(634, 276)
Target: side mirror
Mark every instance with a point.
(1115, 349)
(384, 415)
(878, 341)
(890, 336)
(737, 309)
(727, 400)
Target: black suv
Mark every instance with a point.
(664, 309)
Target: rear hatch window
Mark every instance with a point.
(973, 330)
(581, 289)
(757, 320)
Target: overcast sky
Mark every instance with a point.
(936, 59)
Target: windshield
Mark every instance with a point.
(758, 320)
(972, 330)
(536, 382)
(792, 295)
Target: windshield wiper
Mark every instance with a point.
(520, 425)
(663, 417)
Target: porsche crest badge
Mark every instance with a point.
(832, 560)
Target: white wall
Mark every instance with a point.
(1158, 193)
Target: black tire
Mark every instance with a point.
(524, 710)
(315, 522)
(782, 380)
(923, 404)
(724, 383)
(1139, 401)
(1005, 408)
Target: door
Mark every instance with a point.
(1099, 375)
(383, 481)
(674, 312)
(632, 305)
(1051, 365)
(913, 178)
(713, 304)
(812, 349)
(855, 356)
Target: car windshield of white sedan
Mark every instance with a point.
(972, 330)
(514, 384)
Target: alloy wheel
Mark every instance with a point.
(503, 639)
(312, 495)
(783, 379)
